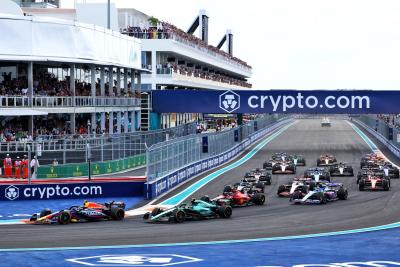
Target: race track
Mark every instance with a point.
(276, 218)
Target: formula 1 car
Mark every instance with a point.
(298, 184)
(318, 174)
(389, 170)
(246, 186)
(259, 175)
(326, 160)
(365, 172)
(372, 182)
(325, 122)
(235, 198)
(89, 212)
(341, 169)
(297, 160)
(196, 210)
(371, 160)
(322, 194)
(285, 167)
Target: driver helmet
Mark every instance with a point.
(86, 203)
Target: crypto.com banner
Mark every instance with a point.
(276, 101)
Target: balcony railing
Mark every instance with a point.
(66, 101)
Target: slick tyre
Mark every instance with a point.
(361, 185)
(179, 216)
(342, 194)
(117, 214)
(225, 211)
(281, 189)
(258, 199)
(64, 217)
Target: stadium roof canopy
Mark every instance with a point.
(21, 112)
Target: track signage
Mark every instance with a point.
(135, 260)
(277, 101)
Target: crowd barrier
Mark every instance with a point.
(384, 140)
(97, 168)
(171, 180)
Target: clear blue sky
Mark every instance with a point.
(304, 44)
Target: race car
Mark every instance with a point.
(89, 212)
(379, 163)
(301, 184)
(371, 160)
(341, 169)
(297, 160)
(259, 175)
(372, 182)
(285, 167)
(236, 198)
(197, 210)
(246, 186)
(389, 170)
(325, 122)
(322, 194)
(318, 174)
(365, 172)
(326, 160)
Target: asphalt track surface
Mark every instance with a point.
(277, 218)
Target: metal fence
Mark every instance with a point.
(166, 157)
(389, 132)
(69, 149)
(67, 101)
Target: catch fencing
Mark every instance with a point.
(388, 134)
(171, 159)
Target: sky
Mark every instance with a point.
(299, 44)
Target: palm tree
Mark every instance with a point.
(153, 21)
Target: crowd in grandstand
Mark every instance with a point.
(166, 30)
(392, 120)
(46, 84)
(199, 73)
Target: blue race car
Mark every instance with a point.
(322, 194)
(318, 174)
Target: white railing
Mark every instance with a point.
(66, 101)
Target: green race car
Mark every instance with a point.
(196, 210)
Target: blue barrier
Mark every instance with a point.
(163, 184)
(70, 191)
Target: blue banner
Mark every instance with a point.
(66, 191)
(277, 101)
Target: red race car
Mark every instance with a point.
(235, 198)
(373, 182)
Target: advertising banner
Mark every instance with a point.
(277, 101)
(68, 191)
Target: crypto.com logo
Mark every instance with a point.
(229, 101)
(11, 192)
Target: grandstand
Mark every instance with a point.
(179, 59)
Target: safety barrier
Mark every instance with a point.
(383, 139)
(163, 184)
(97, 168)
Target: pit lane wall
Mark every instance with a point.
(97, 168)
(71, 190)
(389, 136)
(173, 179)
